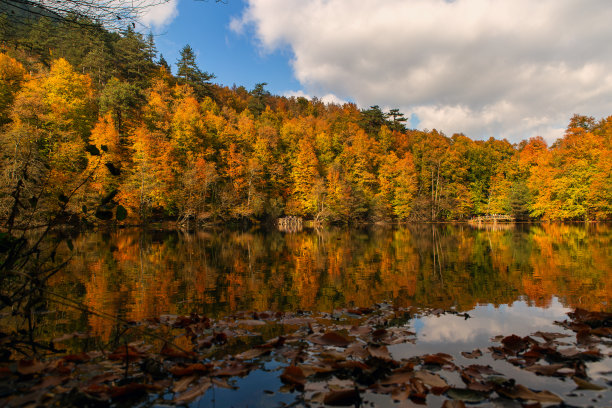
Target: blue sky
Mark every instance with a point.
(233, 57)
(504, 68)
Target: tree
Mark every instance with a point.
(112, 14)
(257, 101)
(189, 73)
(305, 176)
(12, 76)
(397, 120)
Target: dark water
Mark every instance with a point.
(137, 274)
(511, 279)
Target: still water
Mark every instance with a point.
(139, 274)
(510, 279)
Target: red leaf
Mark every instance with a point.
(293, 375)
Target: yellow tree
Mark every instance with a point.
(12, 76)
(305, 176)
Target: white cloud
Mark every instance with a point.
(327, 98)
(160, 14)
(508, 68)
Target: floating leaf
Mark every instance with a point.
(331, 339)
(473, 354)
(29, 367)
(430, 379)
(293, 375)
(197, 368)
(585, 385)
(343, 397)
(193, 393)
(524, 393)
(466, 395)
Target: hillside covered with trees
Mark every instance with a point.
(102, 109)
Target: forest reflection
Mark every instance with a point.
(137, 274)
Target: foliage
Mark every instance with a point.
(261, 156)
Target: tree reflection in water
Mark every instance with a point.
(137, 274)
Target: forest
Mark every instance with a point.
(95, 122)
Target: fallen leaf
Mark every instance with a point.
(585, 385)
(182, 384)
(522, 392)
(234, 370)
(29, 367)
(402, 377)
(331, 339)
(172, 352)
(293, 375)
(380, 352)
(430, 379)
(252, 353)
(453, 404)
(343, 397)
(193, 393)
(548, 370)
(461, 394)
(473, 354)
(223, 384)
(191, 369)
(250, 322)
(132, 390)
(515, 343)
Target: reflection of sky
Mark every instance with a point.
(453, 334)
(489, 321)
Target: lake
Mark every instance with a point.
(509, 278)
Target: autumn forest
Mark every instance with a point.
(102, 109)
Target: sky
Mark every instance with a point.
(509, 69)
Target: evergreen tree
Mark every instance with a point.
(257, 101)
(189, 73)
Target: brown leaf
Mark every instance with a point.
(430, 379)
(331, 339)
(515, 343)
(29, 367)
(252, 353)
(585, 385)
(402, 377)
(50, 381)
(222, 384)
(172, 352)
(131, 390)
(193, 393)
(473, 354)
(191, 369)
(182, 384)
(125, 353)
(343, 397)
(453, 404)
(437, 359)
(522, 392)
(548, 370)
(293, 375)
(77, 358)
(380, 352)
(250, 322)
(235, 370)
